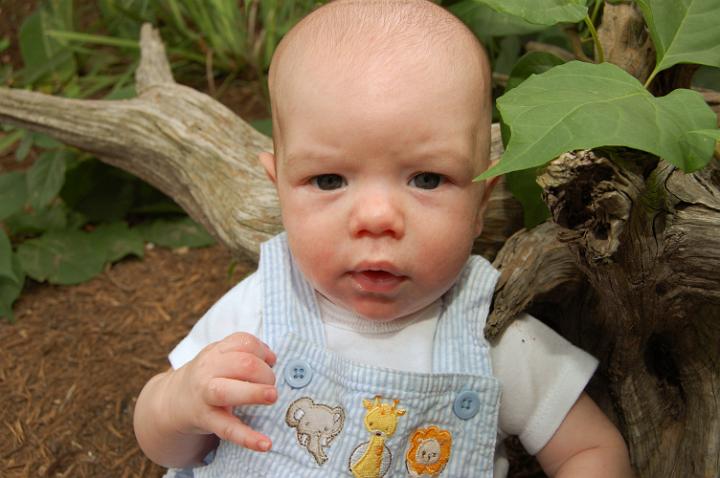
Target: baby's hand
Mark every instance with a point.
(235, 371)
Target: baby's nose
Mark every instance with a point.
(378, 213)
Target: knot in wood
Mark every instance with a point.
(590, 197)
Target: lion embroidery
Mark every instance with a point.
(429, 452)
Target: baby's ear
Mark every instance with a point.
(268, 162)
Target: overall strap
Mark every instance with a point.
(289, 301)
(459, 344)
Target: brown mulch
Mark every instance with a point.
(73, 364)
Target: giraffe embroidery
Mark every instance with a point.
(372, 459)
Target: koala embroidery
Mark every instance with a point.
(316, 424)
(429, 451)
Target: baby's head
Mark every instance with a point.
(381, 120)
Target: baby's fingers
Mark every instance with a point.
(248, 343)
(227, 427)
(224, 392)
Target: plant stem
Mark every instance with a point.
(596, 40)
(596, 10)
(650, 78)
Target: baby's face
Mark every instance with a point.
(375, 179)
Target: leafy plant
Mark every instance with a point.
(550, 107)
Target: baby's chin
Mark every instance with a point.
(385, 312)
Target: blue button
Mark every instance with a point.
(466, 405)
(298, 373)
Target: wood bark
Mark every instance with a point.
(628, 267)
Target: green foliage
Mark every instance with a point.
(683, 31)
(541, 12)
(12, 276)
(13, 193)
(486, 22)
(46, 177)
(582, 105)
(522, 184)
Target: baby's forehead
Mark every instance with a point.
(355, 38)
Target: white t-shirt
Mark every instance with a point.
(540, 372)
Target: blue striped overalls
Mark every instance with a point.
(338, 418)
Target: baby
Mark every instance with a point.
(356, 349)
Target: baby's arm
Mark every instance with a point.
(586, 445)
(180, 413)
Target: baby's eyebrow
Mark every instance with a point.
(292, 159)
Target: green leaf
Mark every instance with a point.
(523, 186)
(13, 193)
(522, 183)
(486, 22)
(707, 77)
(62, 257)
(46, 177)
(8, 140)
(508, 54)
(50, 218)
(683, 31)
(38, 50)
(25, 144)
(6, 253)
(709, 133)
(532, 63)
(541, 12)
(582, 105)
(4, 43)
(263, 125)
(118, 241)
(44, 141)
(10, 289)
(177, 233)
(12, 277)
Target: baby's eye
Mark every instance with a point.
(427, 180)
(328, 182)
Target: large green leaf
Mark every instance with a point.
(62, 257)
(683, 31)
(45, 178)
(582, 105)
(118, 241)
(486, 22)
(13, 193)
(541, 12)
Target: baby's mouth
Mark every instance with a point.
(377, 280)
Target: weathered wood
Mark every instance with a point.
(625, 40)
(645, 236)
